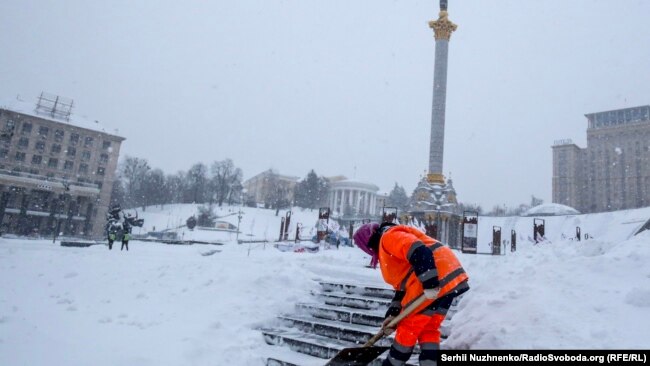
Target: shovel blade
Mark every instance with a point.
(360, 356)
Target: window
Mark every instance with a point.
(40, 146)
(43, 131)
(101, 170)
(37, 159)
(68, 165)
(10, 124)
(53, 163)
(74, 139)
(72, 151)
(6, 135)
(27, 128)
(106, 145)
(3, 153)
(58, 135)
(83, 168)
(23, 143)
(34, 171)
(20, 156)
(88, 141)
(56, 148)
(85, 155)
(50, 175)
(103, 158)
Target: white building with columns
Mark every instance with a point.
(359, 196)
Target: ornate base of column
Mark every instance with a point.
(436, 178)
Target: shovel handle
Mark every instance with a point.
(409, 309)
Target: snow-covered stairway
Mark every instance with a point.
(343, 315)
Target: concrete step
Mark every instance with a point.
(333, 329)
(344, 314)
(358, 289)
(353, 301)
(284, 361)
(283, 356)
(310, 344)
(319, 348)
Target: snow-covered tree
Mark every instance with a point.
(397, 198)
(206, 216)
(312, 191)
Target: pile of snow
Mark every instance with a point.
(256, 224)
(606, 226)
(551, 209)
(170, 305)
(563, 295)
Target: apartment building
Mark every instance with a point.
(56, 169)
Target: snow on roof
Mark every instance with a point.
(29, 108)
(551, 209)
(354, 184)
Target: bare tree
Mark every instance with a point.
(226, 180)
(197, 179)
(133, 171)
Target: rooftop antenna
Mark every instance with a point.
(54, 106)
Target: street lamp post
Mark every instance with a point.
(60, 204)
(239, 214)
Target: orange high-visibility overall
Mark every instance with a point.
(396, 249)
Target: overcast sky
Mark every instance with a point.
(338, 86)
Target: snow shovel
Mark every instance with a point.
(361, 356)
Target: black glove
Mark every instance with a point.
(393, 311)
(395, 306)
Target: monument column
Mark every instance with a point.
(442, 28)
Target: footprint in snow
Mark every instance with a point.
(638, 297)
(71, 275)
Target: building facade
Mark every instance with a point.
(613, 171)
(260, 187)
(352, 198)
(56, 174)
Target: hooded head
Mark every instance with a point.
(362, 237)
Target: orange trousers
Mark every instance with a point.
(419, 328)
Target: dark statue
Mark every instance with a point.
(443, 5)
(120, 231)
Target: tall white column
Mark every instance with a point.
(339, 200)
(443, 28)
(357, 201)
(369, 194)
(366, 203)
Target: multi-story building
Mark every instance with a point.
(260, 187)
(56, 172)
(613, 171)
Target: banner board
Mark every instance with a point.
(470, 232)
